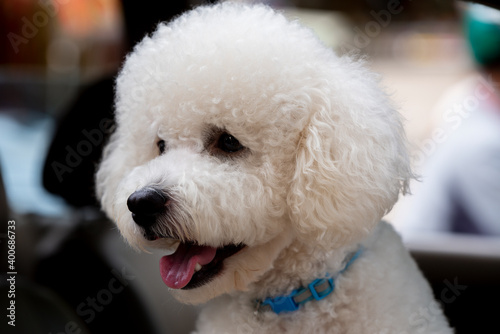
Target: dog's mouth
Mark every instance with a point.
(193, 265)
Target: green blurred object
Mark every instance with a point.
(482, 28)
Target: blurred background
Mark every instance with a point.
(439, 61)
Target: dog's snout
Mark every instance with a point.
(145, 204)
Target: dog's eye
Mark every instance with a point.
(228, 143)
(161, 146)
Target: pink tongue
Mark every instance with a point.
(177, 269)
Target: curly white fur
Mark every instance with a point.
(325, 160)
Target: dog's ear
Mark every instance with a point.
(351, 161)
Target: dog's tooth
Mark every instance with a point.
(197, 267)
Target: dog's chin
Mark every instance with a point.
(237, 271)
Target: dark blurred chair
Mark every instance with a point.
(464, 272)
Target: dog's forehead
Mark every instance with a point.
(231, 66)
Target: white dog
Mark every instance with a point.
(266, 162)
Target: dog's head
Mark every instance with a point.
(238, 133)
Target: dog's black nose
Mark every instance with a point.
(145, 204)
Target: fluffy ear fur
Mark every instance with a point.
(351, 159)
(107, 176)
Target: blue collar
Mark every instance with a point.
(316, 290)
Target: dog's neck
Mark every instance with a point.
(296, 266)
